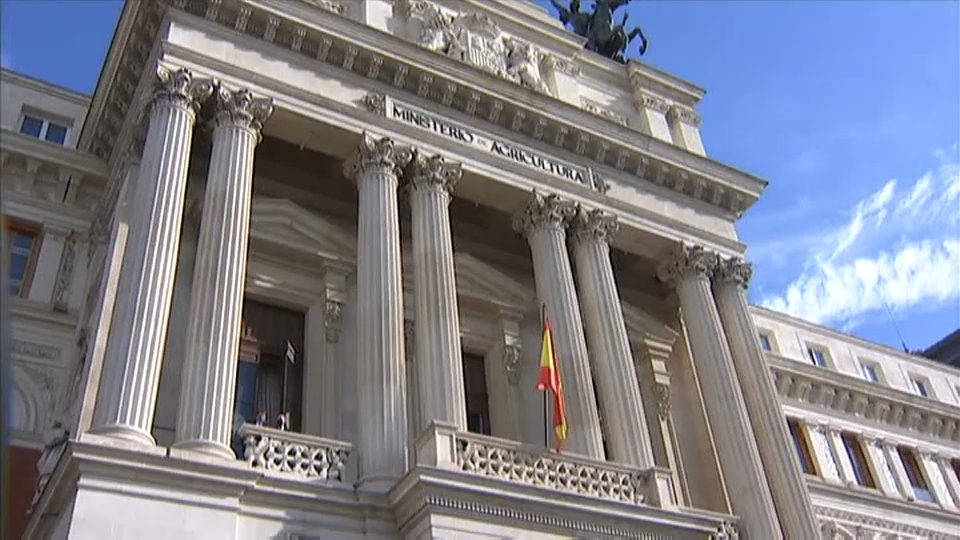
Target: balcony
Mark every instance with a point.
(296, 455)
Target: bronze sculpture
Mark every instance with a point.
(603, 35)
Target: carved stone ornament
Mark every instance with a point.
(332, 315)
(511, 364)
(726, 531)
(241, 109)
(375, 102)
(687, 262)
(180, 89)
(474, 39)
(61, 286)
(594, 225)
(326, 5)
(378, 155)
(543, 211)
(432, 172)
(734, 270)
(662, 392)
(684, 116)
(651, 102)
(597, 109)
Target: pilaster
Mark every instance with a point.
(880, 466)
(52, 248)
(787, 485)
(381, 383)
(628, 438)
(936, 481)
(543, 222)
(63, 282)
(207, 389)
(128, 392)
(430, 181)
(502, 363)
(951, 481)
(898, 470)
(688, 271)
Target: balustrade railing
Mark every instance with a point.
(444, 447)
(296, 454)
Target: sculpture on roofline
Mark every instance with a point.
(604, 36)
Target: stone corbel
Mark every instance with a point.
(511, 354)
(335, 286)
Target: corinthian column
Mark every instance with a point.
(688, 271)
(439, 364)
(612, 359)
(208, 384)
(128, 391)
(543, 223)
(382, 437)
(779, 461)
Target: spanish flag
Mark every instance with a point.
(550, 380)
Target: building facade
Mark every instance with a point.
(351, 215)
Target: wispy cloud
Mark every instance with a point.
(900, 248)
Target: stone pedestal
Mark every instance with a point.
(543, 222)
(760, 396)
(381, 385)
(627, 437)
(128, 391)
(207, 389)
(439, 367)
(689, 271)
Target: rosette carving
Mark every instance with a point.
(180, 89)
(377, 154)
(241, 109)
(432, 172)
(734, 270)
(543, 211)
(687, 262)
(594, 225)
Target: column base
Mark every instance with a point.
(207, 449)
(125, 434)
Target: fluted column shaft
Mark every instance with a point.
(543, 223)
(382, 436)
(688, 271)
(439, 365)
(628, 439)
(787, 484)
(128, 392)
(208, 383)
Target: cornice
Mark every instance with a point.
(880, 504)
(43, 87)
(665, 84)
(814, 388)
(351, 46)
(76, 161)
(853, 340)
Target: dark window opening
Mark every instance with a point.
(475, 387)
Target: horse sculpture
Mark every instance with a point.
(604, 37)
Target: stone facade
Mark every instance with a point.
(352, 216)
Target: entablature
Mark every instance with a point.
(328, 37)
(809, 386)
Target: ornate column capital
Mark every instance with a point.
(733, 270)
(687, 262)
(377, 154)
(594, 225)
(543, 212)
(239, 108)
(180, 89)
(432, 172)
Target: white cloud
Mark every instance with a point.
(900, 249)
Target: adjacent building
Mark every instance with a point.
(353, 215)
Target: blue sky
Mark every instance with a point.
(850, 109)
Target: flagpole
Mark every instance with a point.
(546, 404)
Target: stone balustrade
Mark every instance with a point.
(444, 447)
(297, 455)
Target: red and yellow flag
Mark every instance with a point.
(550, 380)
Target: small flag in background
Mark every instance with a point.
(550, 380)
(291, 353)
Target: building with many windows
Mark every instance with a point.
(283, 275)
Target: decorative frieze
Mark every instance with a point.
(35, 350)
(597, 109)
(326, 5)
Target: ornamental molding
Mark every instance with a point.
(866, 526)
(606, 113)
(62, 285)
(684, 116)
(638, 156)
(511, 363)
(543, 212)
(816, 389)
(332, 318)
